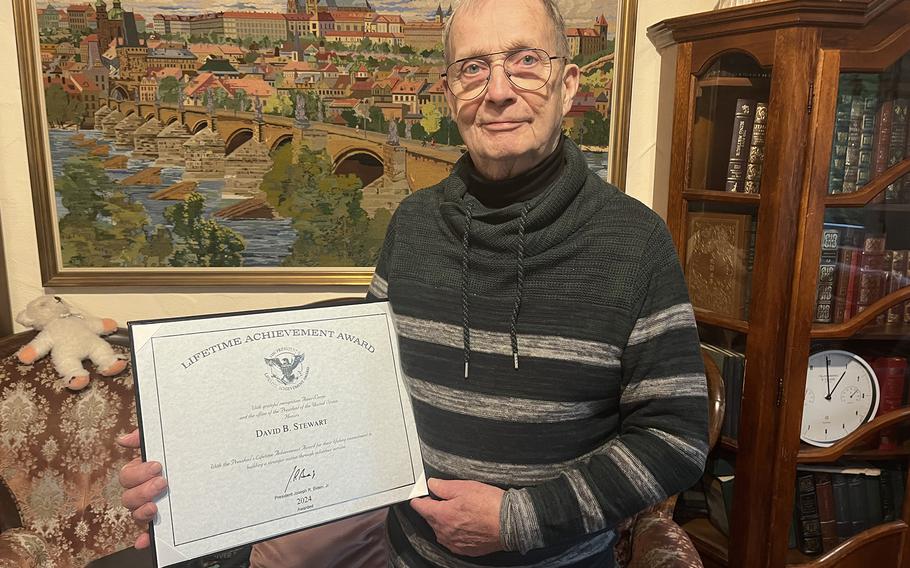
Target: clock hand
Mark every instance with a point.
(835, 384)
(828, 375)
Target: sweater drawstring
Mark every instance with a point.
(519, 287)
(465, 311)
(519, 283)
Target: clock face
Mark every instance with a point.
(841, 395)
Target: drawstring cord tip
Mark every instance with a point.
(515, 357)
(465, 370)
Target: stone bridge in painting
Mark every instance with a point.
(380, 166)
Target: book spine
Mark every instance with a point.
(739, 146)
(756, 159)
(871, 272)
(867, 135)
(897, 279)
(907, 282)
(839, 148)
(905, 181)
(891, 373)
(856, 506)
(873, 500)
(852, 283)
(854, 138)
(898, 485)
(841, 507)
(897, 145)
(824, 492)
(824, 294)
(841, 279)
(881, 145)
(810, 534)
(887, 495)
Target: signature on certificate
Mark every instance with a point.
(298, 474)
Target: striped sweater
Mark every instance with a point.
(606, 412)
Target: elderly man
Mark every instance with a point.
(544, 325)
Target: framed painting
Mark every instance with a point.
(193, 145)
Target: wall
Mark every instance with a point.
(651, 114)
(648, 169)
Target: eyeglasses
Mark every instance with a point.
(527, 69)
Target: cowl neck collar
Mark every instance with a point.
(495, 229)
(523, 187)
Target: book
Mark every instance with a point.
(898, 486)
(896, 278)
(856, 504)
(719, 499)
(839, 146)
(866, 138)
(854, 139)
(755, 161)
(871, 272)
(824, 492)
(824, 294)
(809, 529)
(873, 500)
(882, 142)
(843, 526)
(897, 144)
(739, 146)
(891, 373)
(732, 366)
(847, 264)
(715, 265)
(886, 492)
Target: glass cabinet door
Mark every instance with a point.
(853, 460)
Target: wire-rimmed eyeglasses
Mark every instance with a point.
(527, 69)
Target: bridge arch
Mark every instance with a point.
(172, 120)
(199, 126)
(281, 141)
(364, 164)
(237, 139)
(149, 115)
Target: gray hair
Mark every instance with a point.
(550, 8)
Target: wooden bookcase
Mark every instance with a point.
(796, 56)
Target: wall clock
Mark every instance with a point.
(841, 395)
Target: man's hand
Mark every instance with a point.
(466, 521)
(141, 482)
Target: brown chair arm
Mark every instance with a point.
(658, 542)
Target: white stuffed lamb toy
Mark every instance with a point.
(70, 337)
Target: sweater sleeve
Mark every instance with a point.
(662, 442)
(379, 285)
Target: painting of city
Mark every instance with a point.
(220, 133)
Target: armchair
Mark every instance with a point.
(59, 496)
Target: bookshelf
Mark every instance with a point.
(790, 208)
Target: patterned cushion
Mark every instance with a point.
(21, 549)
(59, 460)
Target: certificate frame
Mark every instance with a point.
(179, 532)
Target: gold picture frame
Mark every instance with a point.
(406, 163)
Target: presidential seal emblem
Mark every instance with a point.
(286, 369)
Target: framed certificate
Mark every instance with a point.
(272, 421)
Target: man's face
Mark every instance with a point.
(508, 130)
